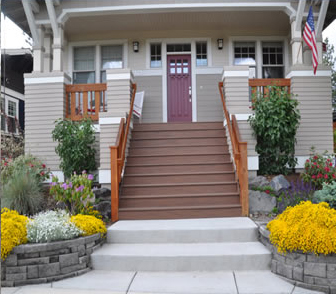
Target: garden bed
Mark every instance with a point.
(48, 262)
(306, 270)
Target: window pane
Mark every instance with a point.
(84, 77)
(244, 53)
(11, 108)
(272, 53)
(273, 72)
(155, 55)
(201, 54)
(111, 56)
(84, 58)
(156, 63)
(178, 47)
(11, 127)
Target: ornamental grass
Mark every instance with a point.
(13, 230)
(306, 227)
(89, 224)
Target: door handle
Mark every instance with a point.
(190, 91)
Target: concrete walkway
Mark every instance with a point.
(111, 282)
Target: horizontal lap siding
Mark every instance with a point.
(209, 104)
(246, 135)
(118, 95)
(314, 96)
(152, 106)
(97, 149)
(107, 138)
(44, 104)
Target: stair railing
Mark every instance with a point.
(118, 155)
(239, 153)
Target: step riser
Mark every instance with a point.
(178, 168)
(182, 236)
(195, 263)
(179, 159)
(178, 201)
(178, 142)
(171, 190)
(178, 126)
(178, 134)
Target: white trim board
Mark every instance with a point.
(104, 176)
(58, 174)
(119, 76)
(45, 80)
(147, 72)
(308, 73)
(253, 162)
(109, 120)
(12, 93)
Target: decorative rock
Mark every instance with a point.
(258, 181)
(104, 208)
(261, 202)
(103, 194)
(278, 183)
(32, 272)
(315, 269)
(48, 270)
(68, 259)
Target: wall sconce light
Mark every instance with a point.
(220, 44)
(136, 46)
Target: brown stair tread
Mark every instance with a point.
(181, 207)
(183, 154)
(182, 184)
(174, 164)
(179, 174)
(180, 195)
(175, 146)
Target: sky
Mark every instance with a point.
(13, 37)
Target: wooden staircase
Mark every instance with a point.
(179, 170)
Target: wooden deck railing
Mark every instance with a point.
(85, 100)
(118, 159)
(263, 86)
(239, 152)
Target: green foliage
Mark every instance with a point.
(274, 123)
(266, 189)
(327, 194)
(22, 192)
(75, 193)
(75, 145)
(329, 59)
(319, 169)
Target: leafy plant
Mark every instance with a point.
(319, 169)
(75, 193)
(329, 59)
(274, 123)
(22, 192)
(12, 145)
(294, 194)
(89, 224)
(51, 226)
(75, 145)
(266, 189)
(327, 194)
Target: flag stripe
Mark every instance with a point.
(310, 39)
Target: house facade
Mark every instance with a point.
(153, 44)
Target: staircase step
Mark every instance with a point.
(178, 150)
(182, 257)
(205, 230)
(178, 200)
(180, 188)
(177, 126)
(172, 168)
(177, 134)
(179, 158)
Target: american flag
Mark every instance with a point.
(309, 37)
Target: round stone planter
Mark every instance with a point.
(305, 270)
(47, 262)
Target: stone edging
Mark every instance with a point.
(305, 270)
(47, 262)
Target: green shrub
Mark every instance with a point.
(22, 192)
(75, 145)
(327, 194)
(51, 226)
(274, 123)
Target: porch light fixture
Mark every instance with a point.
(220, 44)
(136, 46)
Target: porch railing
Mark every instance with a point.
(263, 86)
(118, 154)
(239, 152)
(85, 100)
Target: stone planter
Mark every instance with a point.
(47, 262)
(305, 270)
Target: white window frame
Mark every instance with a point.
(150, 55)
(16, 101)
(84, 71)
(258, 41)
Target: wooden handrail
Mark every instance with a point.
(118, 154)
(239, 151)
(263, 85)
(83, 100)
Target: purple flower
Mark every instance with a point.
(70, 185)
(64, 186)
(84, 172)
(53, 184)
(80, 188)
(90, 177)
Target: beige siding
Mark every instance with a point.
(152, 107)
(97, 149)
(107, 138)
(246, 134)
(209, 104)
(314, 96)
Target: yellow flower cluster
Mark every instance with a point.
(89, 224)
(13, 231)
(307, 227)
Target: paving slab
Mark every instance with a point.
(298, 290)
(39, 290)
(8, 290)
(184, 283)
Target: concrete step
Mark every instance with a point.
(207, 230)
(182, 257)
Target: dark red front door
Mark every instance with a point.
(179, 88)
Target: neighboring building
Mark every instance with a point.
(14, 64)
(177, 52)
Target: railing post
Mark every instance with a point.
(114, 184)
(243, 178)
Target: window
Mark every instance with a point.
(155, 55)
(9, 113)
(178, 48)
(201, 54)
(3, 118)
(245, 54)
(111, 57)
(84, 65)
(273, 64)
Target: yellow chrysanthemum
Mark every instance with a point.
(89, 224)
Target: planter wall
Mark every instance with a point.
(48, 262)
(305, 270)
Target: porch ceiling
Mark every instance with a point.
(237, 21)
